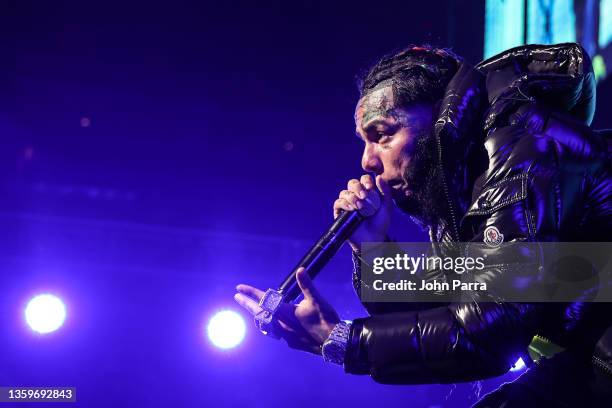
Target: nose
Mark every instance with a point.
(370, 161)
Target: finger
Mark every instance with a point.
(247, 303)
(250, 291)
(341, 205)
(305, 284)
(384, 187)
(357, 188)
(367, 181)
(352, 199)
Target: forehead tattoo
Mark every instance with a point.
(379, 103)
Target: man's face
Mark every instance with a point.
(395, 145)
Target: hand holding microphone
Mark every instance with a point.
(362, 214)
(374, 202)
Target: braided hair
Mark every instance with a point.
(417, 74)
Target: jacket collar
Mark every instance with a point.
(458, 133)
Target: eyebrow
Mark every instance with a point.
(372, 124)
(375, 122)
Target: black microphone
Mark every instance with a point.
(327, 246)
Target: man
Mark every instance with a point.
(502, 147)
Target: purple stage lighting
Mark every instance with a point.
(45, 313)
(519, 365)
(226, 329)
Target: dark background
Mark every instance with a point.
(220, 115)
(156, 154)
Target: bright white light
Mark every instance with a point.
(519, 365)
(226, 329)
(45, 313)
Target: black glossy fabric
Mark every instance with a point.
(517, 153)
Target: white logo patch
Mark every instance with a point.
(492, 236)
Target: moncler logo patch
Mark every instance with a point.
(492, 236)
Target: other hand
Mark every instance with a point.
(304, 326)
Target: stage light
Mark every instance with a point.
(226, 329)
(45, 313)
(519, 365)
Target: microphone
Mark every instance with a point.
(327, 246)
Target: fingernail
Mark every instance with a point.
(359, 205)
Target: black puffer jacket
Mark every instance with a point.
(517, 153)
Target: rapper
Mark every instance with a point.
(498, 151)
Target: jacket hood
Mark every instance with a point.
(482, 97)
(559, 76)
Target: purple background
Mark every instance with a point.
(219, 135)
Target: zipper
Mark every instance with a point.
(598, 362)
(455, 230)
